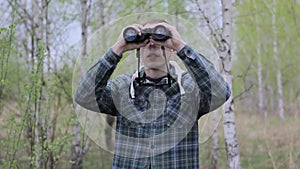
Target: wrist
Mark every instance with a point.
(117, 49)
(179, 45)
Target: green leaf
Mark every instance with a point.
(2, 30)
(12, 26)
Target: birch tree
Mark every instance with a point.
(215, 149)
(230, 134)
(277, 62)
(80, 144)
(223, 41)
(259, 67)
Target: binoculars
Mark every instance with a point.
(158, 33)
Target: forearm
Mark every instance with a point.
(208, 79)
(96, 77)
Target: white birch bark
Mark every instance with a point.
(231, 141)
(259, 69)
(224, 50)
(260, 83)
(215, 153)
(277, 62)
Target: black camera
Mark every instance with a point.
(158, 33)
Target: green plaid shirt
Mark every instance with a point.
(157, 127)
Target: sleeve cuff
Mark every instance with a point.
(112, 58)
(185, 52)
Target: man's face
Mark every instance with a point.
(152, 55)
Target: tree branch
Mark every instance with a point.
(217, 36)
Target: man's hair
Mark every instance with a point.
(154, 21)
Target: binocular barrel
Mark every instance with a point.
(158, 33)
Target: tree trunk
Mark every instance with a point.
(231, 141)
(272, 101)
(298, 104)
(215, 153)
(49, 160)
(109, 119)
(277, 62)
(260, 84)
(77, 157)
(79, 145)
(259, 69)
(39, 88)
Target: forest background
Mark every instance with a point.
(39, 44)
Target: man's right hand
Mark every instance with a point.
(122, 46)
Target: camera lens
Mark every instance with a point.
(130, 34)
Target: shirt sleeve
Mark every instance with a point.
(213, 89)
(94, 91)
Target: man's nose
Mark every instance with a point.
(152, 45)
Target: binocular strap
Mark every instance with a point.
(138, 55)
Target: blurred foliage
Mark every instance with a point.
(22, 79)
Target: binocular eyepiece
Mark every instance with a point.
(158, 33)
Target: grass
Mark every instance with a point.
(269, 145)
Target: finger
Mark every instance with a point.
(132, 46)
(143, 44)
(138, 27)
(154, 42)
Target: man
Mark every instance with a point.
(157, 107)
